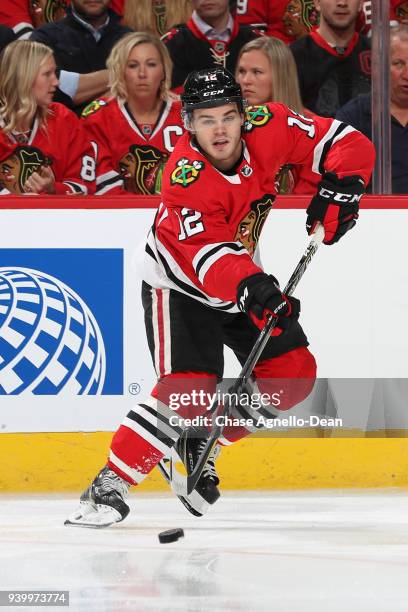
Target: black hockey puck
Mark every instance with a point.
(171, 535)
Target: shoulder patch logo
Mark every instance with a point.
(186, 172)
(93, 107)
(257, 116)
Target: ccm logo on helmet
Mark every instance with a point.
(344, 198)
(213, 93)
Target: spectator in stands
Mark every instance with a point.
(156, 16)
(25, 15)
(266, 71)
(6, 36)
(43, 148)
(333, 61)
(358, 111)
(137, 127)
(82, 40)
(210, 38)
(284, 19)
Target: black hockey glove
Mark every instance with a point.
(259, 296)
(335, 205)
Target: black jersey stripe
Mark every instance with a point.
(157, 414)
(151, 429)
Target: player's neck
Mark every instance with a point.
(336, 37)
(145, 111)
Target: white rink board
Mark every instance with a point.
(354, 302)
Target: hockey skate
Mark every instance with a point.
(102, 504)
(188, 448)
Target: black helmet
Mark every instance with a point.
(213, 87)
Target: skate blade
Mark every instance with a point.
(94, 516)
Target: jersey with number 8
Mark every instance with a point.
(61, 145)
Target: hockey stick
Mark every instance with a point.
(194, 503)
(184, 484)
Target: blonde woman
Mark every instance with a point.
(156, 16)
(136, 128)
(266, 71)
(43, 149)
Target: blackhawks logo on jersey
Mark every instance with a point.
(257, 116)
(93, 107)
(250, 227)
(186, 172)
(142, 169)
(19, 166)
(46, 11)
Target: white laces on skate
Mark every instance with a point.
(110, 481)
(209, 468)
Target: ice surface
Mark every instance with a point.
(298, 551)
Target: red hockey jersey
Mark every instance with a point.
(62, 146)
(207, 228)
(130, 157)
(24, 15)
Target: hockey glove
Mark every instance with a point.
(335, 205)
(259, 296)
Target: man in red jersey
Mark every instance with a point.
(204, 287)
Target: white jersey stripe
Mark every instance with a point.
(166, 331)
(131, 472)
(155, 332)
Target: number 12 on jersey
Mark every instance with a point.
(190, 223)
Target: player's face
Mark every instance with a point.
(292, 19)
(144, 72)
(339, 14)
(46, 83)
(399, 72)
(91, 8)
(218, 132)
(210, 9)
(254, 74)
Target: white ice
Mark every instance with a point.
(283, 551)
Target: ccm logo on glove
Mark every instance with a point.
(339, 197)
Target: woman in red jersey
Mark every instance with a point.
(43, 148)
(134, 130)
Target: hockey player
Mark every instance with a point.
(141, 111)
(203, 287)
(43, 148)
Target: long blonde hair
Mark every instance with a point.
(285, 81)
(118, 57)
(140, 15)
(20, 63)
